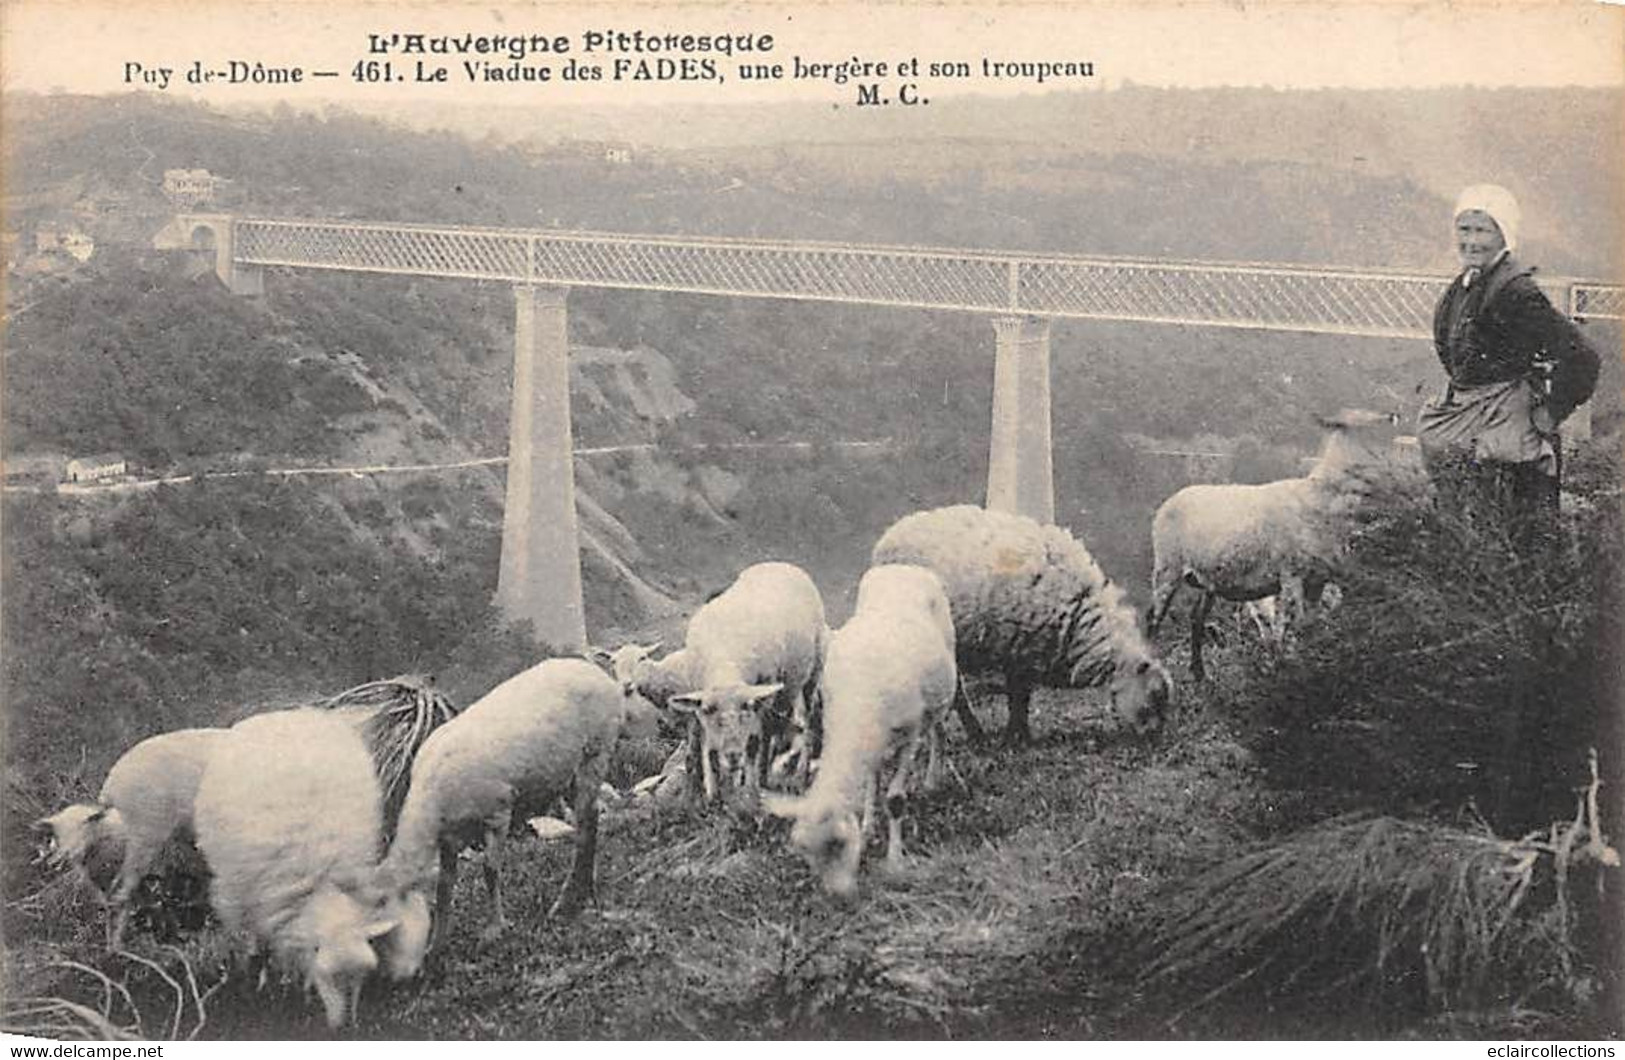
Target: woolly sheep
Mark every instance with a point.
(145, 801)
(289, 816)
(756, 649)
(543, 734)
(1285, 538)
(888, 679)
(1029, 601)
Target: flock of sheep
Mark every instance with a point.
(779, 712)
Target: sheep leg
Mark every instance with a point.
(580, 887)
(867, 819)
(933, 755)
(139, 855)
(496, 832)
(967, 717)
(702, 783)
(1020, 697)
(1163, 591)
(897, 803)
(1199, 613)
(443, 888)
(1291, 604)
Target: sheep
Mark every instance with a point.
(289, 815)
(1266, 617)
(1029, 600)
(544, 733)
(145, 801)
(1286, 538)
(754, 652)
(888, 680)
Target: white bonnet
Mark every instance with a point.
(1498, 203)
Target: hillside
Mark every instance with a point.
(142, 353)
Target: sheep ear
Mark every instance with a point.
(790, 806)
(687, 703)
(377, 928)
(758, 693)
(596, 655)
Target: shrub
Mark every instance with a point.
(1458, 670)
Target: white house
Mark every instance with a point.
(96, 468)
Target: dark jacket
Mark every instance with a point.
(1497, 328)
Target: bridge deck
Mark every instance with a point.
(1340, 301)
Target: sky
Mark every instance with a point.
(94, 47)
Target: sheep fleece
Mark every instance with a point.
(155, 784)
(1026, 598)
(288, 802)
(517, 747)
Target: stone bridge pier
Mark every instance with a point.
(540, 574)
(1020, 469)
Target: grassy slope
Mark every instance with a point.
(710, 927)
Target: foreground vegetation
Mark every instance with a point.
(1308, 822)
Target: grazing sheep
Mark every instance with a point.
(889, 678)
(543, 734)
(1266, 617)
(145, 802)
(289, 816)
(1030, 602)
(756, 649)
(1283, 538)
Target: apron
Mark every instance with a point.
(1492, 422)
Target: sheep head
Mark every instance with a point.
(731, 730)
(339, 929)
(67, 834)
(629, 664)
(402, 902)
(1141, 692)
(830, 838)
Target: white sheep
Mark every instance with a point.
(1285, 538)
(543, 734)
(145, 801)
(754, 653)
(289, 816)
(889, 677)
(1029, 601)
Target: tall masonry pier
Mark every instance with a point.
(540, 574)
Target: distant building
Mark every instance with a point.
(96, 468)
(592, 150)
(70, 241)
(191, 187)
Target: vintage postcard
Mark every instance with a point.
(797, 520)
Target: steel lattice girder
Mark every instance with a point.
(1225, 295)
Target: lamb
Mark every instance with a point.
(544, 733)
(1283, 538)
(888, 679)
(145, 801)
(1268, 618)
(755, 650)
(289, 816)
(1029, 601)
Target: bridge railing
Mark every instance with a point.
(1296, 298)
